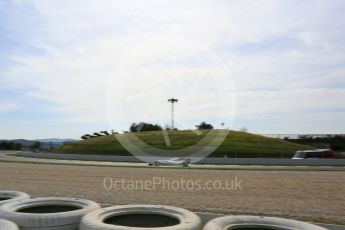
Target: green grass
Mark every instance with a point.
(236, 144)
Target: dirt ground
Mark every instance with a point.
(319, 195)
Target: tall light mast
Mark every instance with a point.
(172, 101)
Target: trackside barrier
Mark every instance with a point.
(47, 213)
(9, 196)
(8, 225)
(130, 217)
(215, 161)
(258, 222)
(61, 213)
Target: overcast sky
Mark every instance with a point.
(71, 67)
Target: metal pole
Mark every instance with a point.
(172, 116)
(172, 101)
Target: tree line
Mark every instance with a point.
(142, 127)
(9, 145)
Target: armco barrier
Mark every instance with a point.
(215, 161)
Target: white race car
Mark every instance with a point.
(172, 162)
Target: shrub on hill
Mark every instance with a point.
(144, 127)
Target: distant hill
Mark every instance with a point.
(56, 140)
(45, 143)
(19, 141)
(236, 144)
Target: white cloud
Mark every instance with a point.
(6, 107)
(290, 101)
(281, 56)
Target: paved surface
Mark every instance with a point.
(7, 156)
(311, 195)
(205, 161)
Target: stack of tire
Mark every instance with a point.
(19, 211)
(7, 197)
(8, 225)
(47, 213)
(135, 217)
(258, 222)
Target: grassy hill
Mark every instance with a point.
(236, 144)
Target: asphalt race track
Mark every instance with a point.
(76, 159)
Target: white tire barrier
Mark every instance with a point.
(135, 217)
(8, 225)
(257, 222)
(9, 196)
(48, 213)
